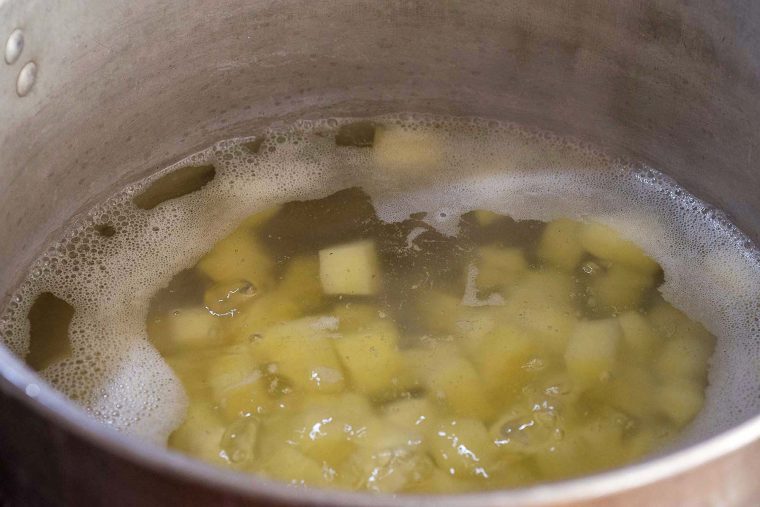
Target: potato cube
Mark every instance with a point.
(302, 351)
(681, 400)
(462, 447)
(592, 350)
(438, 311)
(350, 269)
(200, 435)
(412, 413)
(501, 358)
(355, 316)
(451, 378)
(239, 386)
(499, 267)
(239, 256)
(541, 302)
(225, 298)
(484, 217)
(185, 329)
(683, 357)
(289, 465)
(620, 288)
(560, 244)
(638, 335)
(405, 151)
(603, 242)
(631, 390)
(371, 357)
(301, 283)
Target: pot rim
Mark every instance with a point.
(30, 389)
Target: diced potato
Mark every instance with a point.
(499, 267)
(680, 400)
(560, 244)
(412, 413)
(561, 459)
(523, 430)
(354, 316)
(683, 357)
(672, 323)
(603, 437)
(302, 351)
(239, 441)
(350, 269)
(371, 357)
(631, 390)
(603, 242)
(502, 355)
(225, 298)
(592, 350)
(405, 151)
(439, 311)
(639, 336)
(200, 434)
(462, 447)
(474, 324)
(541, 302)
(451, 378)
(239, 256)
(389, 470)
(620, 288)
(300, 283)
(484, 217)
(289, 465)
(239, 386)
(186, 329)
(442, 482)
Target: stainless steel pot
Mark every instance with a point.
(95, 93)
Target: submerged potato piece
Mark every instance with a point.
(350, 269)
(499, 267)
(412, 413)
(302, 351)
(631, 390)
(683, 357)
(451, 378)
(300, 283)
(620, 288)
(680, 400)
(225, 298)
(560, 244)
(484, 217)
(354, 316)
(185, 329)
(239, 256)
(406, 151)
(639, 336)
(592, 350)
(238, 384)
(439, 311)
(603, 242)
(462, 447)
(541, 302)
(200, 434)
(289, 465)
(371, 357)
(503, 353)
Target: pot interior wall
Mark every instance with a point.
(123, 89)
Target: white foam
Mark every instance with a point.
(711, 271)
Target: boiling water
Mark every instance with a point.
(118, 256)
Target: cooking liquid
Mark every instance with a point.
(402, 304)
(320, 345)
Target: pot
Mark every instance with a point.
(96, 94)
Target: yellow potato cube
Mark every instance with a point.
(289, 465)
(354, 316)
(683, 357)
(371, 357)
(631, 390)
(439, 311)
(225, 298)
(302, 351)
(350, 269)
(681, 400)
(405, 151)
(300, 284)
(239, 385)
(638, 335)
(620, 288)
(603, 242)
(413, 413)
(499, 267)
(592, 350)
(186, 329)
(541, 302)
(503, 353)
(560, 244)
(462, 447)
(452, 379)
(239, 256)
(200, 435)
(484, 217)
